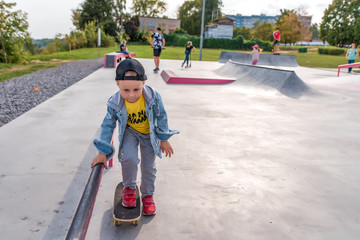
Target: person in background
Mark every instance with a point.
(157, 41)
(276, 35)
(255, 54)
(188, 50)
(123, 48)
(351, 55)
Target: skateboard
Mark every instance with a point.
(123, 214)
(276, 53)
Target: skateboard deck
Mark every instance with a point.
(123, 214)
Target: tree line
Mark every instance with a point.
(340, 25)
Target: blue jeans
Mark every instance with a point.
(350, 61)
(124, 51)
(129, 161)
(187, 53)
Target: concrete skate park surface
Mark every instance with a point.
(249, 163)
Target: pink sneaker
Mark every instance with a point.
(129, 197)
(148, 206)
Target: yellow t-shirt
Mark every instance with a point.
(137, 118)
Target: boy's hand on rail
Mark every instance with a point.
(99, 158)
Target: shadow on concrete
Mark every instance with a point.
(60, 224)
(124, 231)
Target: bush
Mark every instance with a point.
(107, 40)
(331, 51)
(224, 43)
(180, 40)
(264, 45)
(180, 31)
(237, 43)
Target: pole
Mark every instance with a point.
(99, 41)
(202, 30)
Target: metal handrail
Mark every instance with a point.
(81, 220)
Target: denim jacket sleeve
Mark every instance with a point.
(162, 129)
(103, 143)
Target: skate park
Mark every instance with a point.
(272, 154)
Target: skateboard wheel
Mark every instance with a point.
(116, 223)
(136, 222)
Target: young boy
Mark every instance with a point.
(142, 119)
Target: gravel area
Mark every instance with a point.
(20, 94)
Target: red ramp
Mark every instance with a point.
(171, 78)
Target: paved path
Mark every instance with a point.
(250, 163)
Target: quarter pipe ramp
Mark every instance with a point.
(285, 81)
(265, 59)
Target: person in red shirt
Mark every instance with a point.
(276, 35)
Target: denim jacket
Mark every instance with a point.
(116, 112)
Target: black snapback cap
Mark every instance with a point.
(130, 64)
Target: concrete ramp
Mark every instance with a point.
(265, 59)
(246, 165)
(285, 81)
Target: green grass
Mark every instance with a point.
(175, 53)
(17, 70)
(79, 54)
(312, 60)
(36, 62)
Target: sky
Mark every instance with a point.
(47, 18)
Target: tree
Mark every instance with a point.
(75, 18)
(29, 45)
(314, 28)
(148, 8)
(190, 14)
(120, 6)
(101, 13)
(264, 31)
(242, 31)
(302, 10)
(306, 32)
(290, 27)
(132, 27)
(91, 34)
(58, 45)
(256, 23)
(341, 22)
(13, 33)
